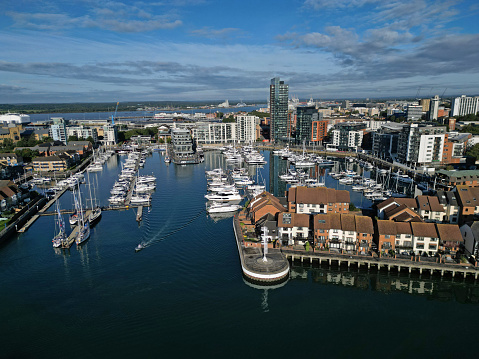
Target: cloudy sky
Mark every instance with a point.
(100, 50)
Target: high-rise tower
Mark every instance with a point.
(278, 102)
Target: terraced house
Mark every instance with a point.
(293, 228)
(343, 231)
(317, 200)
(9, 194)
(468, 200)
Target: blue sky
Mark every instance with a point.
(94, 51)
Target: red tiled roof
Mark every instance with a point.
(449, 232)
(424, 229)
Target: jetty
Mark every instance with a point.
(379, 264)
(71, 238)
(273, 270)
(139, 214)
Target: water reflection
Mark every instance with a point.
(443, 289)
(264, 291)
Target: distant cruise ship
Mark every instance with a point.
(225, 104)
(14, 118)
(240, 104)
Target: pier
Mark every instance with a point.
(74, 233)
(379, 264)
(272, 271)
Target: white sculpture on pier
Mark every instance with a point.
(265, 243)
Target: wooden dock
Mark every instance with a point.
(74, 233)
(388, 264)
(139, 214)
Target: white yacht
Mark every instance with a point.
(222, 208)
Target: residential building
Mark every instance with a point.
(385, 140)
(293, 228)
(425, 238)
(183, 146)
(457, 178)
(465, 105)
(317, 200)
(320, 130)
(42, 133)
(450, 238)
(11, 132)
(394, 207)
(110, 134)
(58, 130)
(403, 241)
(82, 132)
(434, 108)
(414, 112)
(214, 132)
(385, 236)
(468, 200)
(421, 144)
(305, 116)
(10, 194)
(246, 128)
(55, 163)
(348, 136)
(447, 199)
(425, 103)
(262, 204)
(430, 209)
(278, 94)
(10, 159)
(455, 148)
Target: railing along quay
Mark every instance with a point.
(378, 263)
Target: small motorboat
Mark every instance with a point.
(139, 247)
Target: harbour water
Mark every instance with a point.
(184, 294)
(134, 114)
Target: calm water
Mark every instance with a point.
(139, 114)
(184, 295)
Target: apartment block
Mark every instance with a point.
(421, 144)
(465, 105)
(348, 136)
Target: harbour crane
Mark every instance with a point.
(114, 115)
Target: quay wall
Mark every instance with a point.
(276, 271)
(17, 222)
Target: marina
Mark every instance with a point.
(178, 274)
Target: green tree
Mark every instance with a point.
(259, 114)
(72, 138)
(228, 119)
(91, 140)
(7, 145)
(27, 154)
(219, 114)
(161, 140)
(168, 140)
(473, 151)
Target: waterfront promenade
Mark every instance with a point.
(275, 269)
(389, 264)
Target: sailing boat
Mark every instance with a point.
(95, 214)
(74, 217)
(83, 224)
(167, 156)
(61, 236)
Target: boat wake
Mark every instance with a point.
(158, 238)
